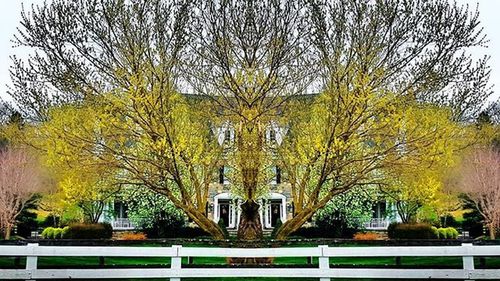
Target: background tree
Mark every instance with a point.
(20, 178)
(480, 181)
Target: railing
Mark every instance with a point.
(377, 223)
(122, 223)
(176, 253)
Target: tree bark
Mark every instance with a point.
(205, 223)
(492, 229)
(250, 227)
(8, 229)
(293, 224)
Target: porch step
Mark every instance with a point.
(234, 231)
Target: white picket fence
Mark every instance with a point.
(176, 253)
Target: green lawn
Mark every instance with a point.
(416, 262)
(117, 262)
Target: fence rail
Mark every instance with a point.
(176, 253)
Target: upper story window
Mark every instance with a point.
(221, 175)
(223, 170)
(277, 175)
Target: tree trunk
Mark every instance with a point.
(293, 224)
(250, 227)
(205, 223)
(492, 229)
(7, 232)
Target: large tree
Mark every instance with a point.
(249, 58)
(480, 181)
(20, 178)
(124, 62)
(383, 61)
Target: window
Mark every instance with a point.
(120, 210)
(221, 175)
(272, 135)
(278, 175)
(227, 135)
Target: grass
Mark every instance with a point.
(382, 262)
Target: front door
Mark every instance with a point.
(275, 212)
(224, 211)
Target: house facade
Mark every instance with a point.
(276, 205)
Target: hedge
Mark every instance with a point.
(448, 233)
(79, 231)
(420, 231)
(411, 231)
(48, 233)
(89, 231)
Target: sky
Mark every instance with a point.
(10, 15)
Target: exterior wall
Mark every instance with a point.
(116, 217)
(220, 192)
(382, 218)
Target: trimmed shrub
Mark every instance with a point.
(90, 231)
(48, 233)
(442, 233)
(57, 233)
(64, 232)
(435, 230)
(411, 231)
(451, 233)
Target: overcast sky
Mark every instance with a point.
(10, 11)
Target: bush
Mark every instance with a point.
(391, 229)
(57, 233)
(435, 230)
(332, 226)
(442, 233)
(473, 224)
(26, 223)
(50, 221)
(449, 221)
(222, 226)
(169, 227)
(276, 227)
(90, 231)
(367, 236)
(65, 232)
(411, 231)
(132, 236)
(451, 233)
(48, 233)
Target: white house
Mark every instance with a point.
(277, 205)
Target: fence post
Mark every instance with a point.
(31, 260)
(324, 262)
(468, 261)
(176, 262)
